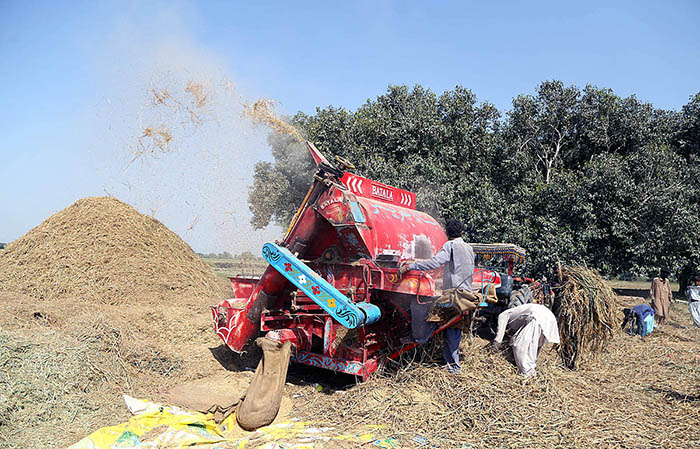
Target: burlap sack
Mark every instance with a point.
(262, 400)
(217, 394)
(454, 301)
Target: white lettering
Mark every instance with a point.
(327, 203)
(382, 192)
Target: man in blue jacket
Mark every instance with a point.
(457, 258)
(638, 317)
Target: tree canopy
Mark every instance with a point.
(573, 175)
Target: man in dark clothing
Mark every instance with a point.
(457, 257)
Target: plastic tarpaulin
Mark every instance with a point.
(156, 426)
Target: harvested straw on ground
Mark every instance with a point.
(587, 315)
(113, 303)
(605, 404)
(103, 250)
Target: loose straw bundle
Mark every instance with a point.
(587, 315)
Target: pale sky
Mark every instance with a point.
(76, 81)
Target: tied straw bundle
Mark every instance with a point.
(587, 315)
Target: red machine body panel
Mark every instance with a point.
(243, 286)
(374, 228)
(396, 230)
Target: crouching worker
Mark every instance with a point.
(457, 257)
(641, 319)
(530, 327)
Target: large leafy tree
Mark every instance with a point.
(689, 132)
(443, 148)
(688, 143)
(573, 175)
(542, 126)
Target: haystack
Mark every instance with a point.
(587, 315)
(103, 250)
(96, 301)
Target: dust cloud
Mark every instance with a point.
(177, 139)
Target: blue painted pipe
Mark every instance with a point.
(339, 306)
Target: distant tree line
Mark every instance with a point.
(224, 255)
(573, 175)
(244, 257)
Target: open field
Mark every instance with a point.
(640, 288)
(236, 267)
(624, 399)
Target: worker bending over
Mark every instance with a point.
(530, 327)
(457, 257)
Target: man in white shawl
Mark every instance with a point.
(693, 294)
(530, 326)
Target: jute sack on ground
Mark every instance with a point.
(262, 400)
(218, 394)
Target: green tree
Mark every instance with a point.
(689, 133)
(573, 176)
(541, 127)
(440, 147)
(688, 146)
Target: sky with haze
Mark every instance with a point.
(76, 84)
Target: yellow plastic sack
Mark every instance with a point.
(176, 428)
(184, 429)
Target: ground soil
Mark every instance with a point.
(147, 352)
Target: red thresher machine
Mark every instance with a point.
(332, 288)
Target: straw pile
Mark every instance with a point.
(636, 394)
(47, 384)
(113, 303)
(587, 315)
(103, 250)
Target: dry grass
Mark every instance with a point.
(172, 113)
(263, 112)
(52, 381)
(636, 394)
(105, 320)
(200, 93)
(152, 141)
(70, 373)
(102, 250)
(587, 315)
(113, 303)
(177, 111)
